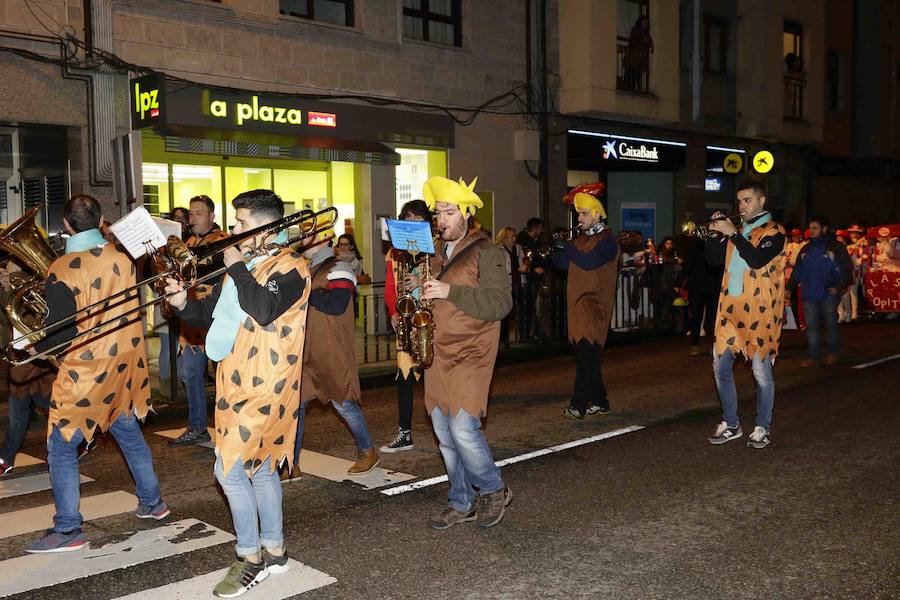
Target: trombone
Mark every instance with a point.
(177, 261)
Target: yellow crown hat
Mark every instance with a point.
(441, 189)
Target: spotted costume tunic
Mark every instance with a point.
(750, 323)
(102, 376)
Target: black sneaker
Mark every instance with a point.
(276, 564)
(190, 438)
(86, 449)
(401, 443)
(595, 409)
(573, 413)
(724, 434)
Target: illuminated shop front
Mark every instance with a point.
(364, 160)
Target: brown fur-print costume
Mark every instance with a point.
(750, 323)
(258, 384)
(103, 376)
(590, 294)
(329, 365)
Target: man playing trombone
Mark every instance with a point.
(257, 320)
(591, 259)
(103, 381)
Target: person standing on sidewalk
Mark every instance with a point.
(591, 259)
(751, 309)
(192, 359)
(256, 317)
(407, 374)
(471, 293)
(330, 370)
(103, 381)
(823, 272)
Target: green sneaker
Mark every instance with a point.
(242, 576)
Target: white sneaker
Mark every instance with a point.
(759, 439)
(725, 434)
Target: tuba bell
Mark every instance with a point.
(26, 307)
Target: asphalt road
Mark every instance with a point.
(655, 513)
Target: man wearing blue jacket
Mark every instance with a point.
(823, 271)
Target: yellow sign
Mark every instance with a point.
(763, 161)
(733, 163)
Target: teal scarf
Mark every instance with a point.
(737, 265)
(228, 314)
(85, 240)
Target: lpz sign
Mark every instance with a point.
(147, 99)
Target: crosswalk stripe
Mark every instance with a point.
(299, 579)
(41, 517)
(25, 460)
(29, 484)
(36, 571)
(326, 466)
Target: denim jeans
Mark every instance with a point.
(723, 369)
(63, 459)
(352, 414)
(819, 315)
(192, 364)
(255, 504)
(467, 458)
(20, 411)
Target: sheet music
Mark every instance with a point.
(135, 229)
(411, 233)
(168, 227)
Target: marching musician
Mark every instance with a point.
(751, 309)
(330, 372)
(407, 374)
(103, 382)
(256, 318)
(592, 262)
(192, 358)
(28, 385)
(471, 294)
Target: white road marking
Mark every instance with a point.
(18, 486)
(41, 517)
(299, 579)
(326, 466)
(877, 362)
(514, 459)
(36, 571)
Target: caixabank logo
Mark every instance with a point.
(621, 150)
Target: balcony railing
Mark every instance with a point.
(794, 84)
(633, 66)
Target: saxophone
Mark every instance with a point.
(422, 335)
(406, 303)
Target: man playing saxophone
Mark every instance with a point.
(471, 293)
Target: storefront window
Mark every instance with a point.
(155, 178)
(239, 180)
(415, 167)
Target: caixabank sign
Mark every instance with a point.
(178, 108)
(612, 152)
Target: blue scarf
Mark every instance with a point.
(85, 240)
(228, 314)
(737, 265)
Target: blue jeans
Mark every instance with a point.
(467, 458)
(63, 459)
(255, 504)
(821, 314)
(723, 369)
(352, 414)
(192, 364)
(20, 411)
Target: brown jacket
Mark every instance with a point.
(467, 326)
(257, 384)
(106, 376)
(591, 294)
(751, 323)
(329, 361)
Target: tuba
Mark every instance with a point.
(26, 307)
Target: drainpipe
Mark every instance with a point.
(544, 170)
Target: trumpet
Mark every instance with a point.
(568, 235)
(702, 230)
(175, 260)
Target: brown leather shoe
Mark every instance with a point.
(808, 362)
(491, 507)
(365, 462)
(450, 517)
(831, 359)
